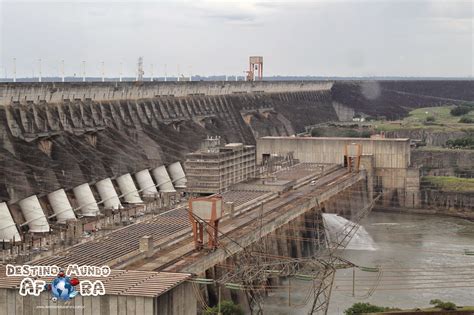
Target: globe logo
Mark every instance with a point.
(63, 287)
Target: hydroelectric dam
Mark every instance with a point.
(100, 174)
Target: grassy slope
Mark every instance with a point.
(426, 310)
(440, 149)
(429, 309)
(444, 121)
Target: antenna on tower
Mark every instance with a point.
(140, 71)
(103, 71)
(166, 74)
(83, 71)
(39, 66)
(151, 72)
(62, 70)
(120, 72)
(14, 69)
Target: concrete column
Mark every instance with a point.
(146, 245)
(412, 188)
(367, 163)
(70, 232)
(109, 219)
(229, 208)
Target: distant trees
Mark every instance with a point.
(365, 134)
(430, 119)
(466, 120)
(444, 306)
(462, 109)
(350, 133)
(340, 132)
(227, 308)
(461, 143)
(363, 308)
(317, 132)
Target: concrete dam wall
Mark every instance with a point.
(59, 136)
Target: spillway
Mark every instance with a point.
(145, 182)
(34, 215)
(337, 227)
(86, 201)
(108, 194)
(8, 229)
(163, 179)
(128, 189)
(177, 175)
(61, 206)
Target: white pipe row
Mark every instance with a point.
(8, 229)
(63, 210)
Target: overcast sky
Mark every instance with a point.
(297, 37)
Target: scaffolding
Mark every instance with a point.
(214, 169)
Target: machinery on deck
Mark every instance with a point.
(204, 214)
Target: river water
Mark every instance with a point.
(421, 257)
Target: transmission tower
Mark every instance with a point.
(255, 265)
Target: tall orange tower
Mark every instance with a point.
(255, 68)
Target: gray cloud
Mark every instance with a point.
(351, 37)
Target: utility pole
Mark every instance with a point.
(83, 71)
(39, 66)
(353, 281)
(14, 69)
(140, 71)
(219, 303)
(62, 70)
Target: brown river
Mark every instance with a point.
(420, 258)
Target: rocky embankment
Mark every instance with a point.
(427, 136)
(394, 99)
(444, 162)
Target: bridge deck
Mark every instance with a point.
(183, 257)
(171, 231)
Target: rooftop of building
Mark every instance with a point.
(336, 138)
(230, 147)
(119, 282)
